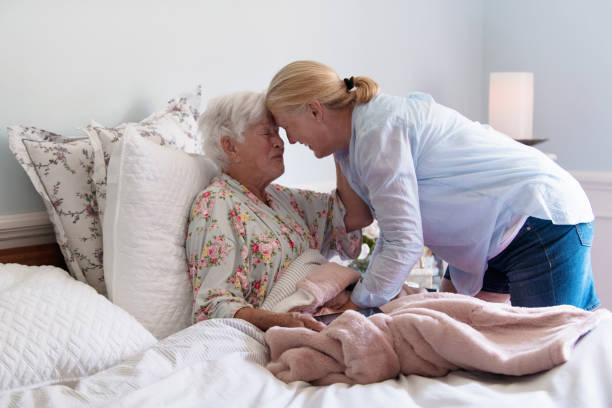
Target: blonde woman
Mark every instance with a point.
(504, 216)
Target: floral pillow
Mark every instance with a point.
(60, 169)
(176, 127)
(63, 172)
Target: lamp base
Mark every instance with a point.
(531, 142)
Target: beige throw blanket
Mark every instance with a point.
(428, 334)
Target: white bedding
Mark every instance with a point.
(55, 328)
(219, 362)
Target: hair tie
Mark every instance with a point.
(350, 84)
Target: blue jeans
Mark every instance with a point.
(545, 265)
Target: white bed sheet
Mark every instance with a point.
(219, 362)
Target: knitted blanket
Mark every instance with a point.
(310, 283)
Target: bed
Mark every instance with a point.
(81, 335)
(222, 362)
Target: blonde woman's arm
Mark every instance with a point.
(358, 213)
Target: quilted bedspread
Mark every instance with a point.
(55, 328)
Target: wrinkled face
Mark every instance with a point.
(261, 151)
(303, 127)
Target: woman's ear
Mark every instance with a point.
(315, 110)
(229, 147)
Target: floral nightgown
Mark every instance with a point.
(237, 246)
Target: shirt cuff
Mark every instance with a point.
(364, 298)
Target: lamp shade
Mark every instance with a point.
(511, 103)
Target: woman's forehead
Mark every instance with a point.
(266, 121)
(282, 118)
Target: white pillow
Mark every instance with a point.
(70, 176)
(176, 125)
(54, 328)
(150, 191)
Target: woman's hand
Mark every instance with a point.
(265, 319)
(296, 319)
(349, 306)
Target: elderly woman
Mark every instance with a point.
(244, 232)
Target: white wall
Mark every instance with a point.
(66, 62)
(567, 44)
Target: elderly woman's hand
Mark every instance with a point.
(296, 319)
(265, 319)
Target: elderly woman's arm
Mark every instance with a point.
(358, 213)
(216, 255)
(264, 319)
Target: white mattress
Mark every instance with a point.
(219, 362)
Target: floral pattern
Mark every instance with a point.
(174, 126)
(63, 172)
(237, 246)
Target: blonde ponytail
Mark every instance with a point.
(302, 81)
(365, 89)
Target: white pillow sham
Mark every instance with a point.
(149, 193)
(54, 328)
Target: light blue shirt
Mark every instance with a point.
(433, 177)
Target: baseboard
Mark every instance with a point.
(20, 230)
(594, 179)
(598, 187)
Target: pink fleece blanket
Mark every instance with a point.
(429, 334)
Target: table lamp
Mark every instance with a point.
(511, 104)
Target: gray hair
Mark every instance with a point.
(229, 115)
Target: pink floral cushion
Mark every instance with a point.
(63, 171)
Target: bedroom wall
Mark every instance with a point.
(67, 62)
(566, 44)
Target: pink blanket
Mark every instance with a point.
(429, 334)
